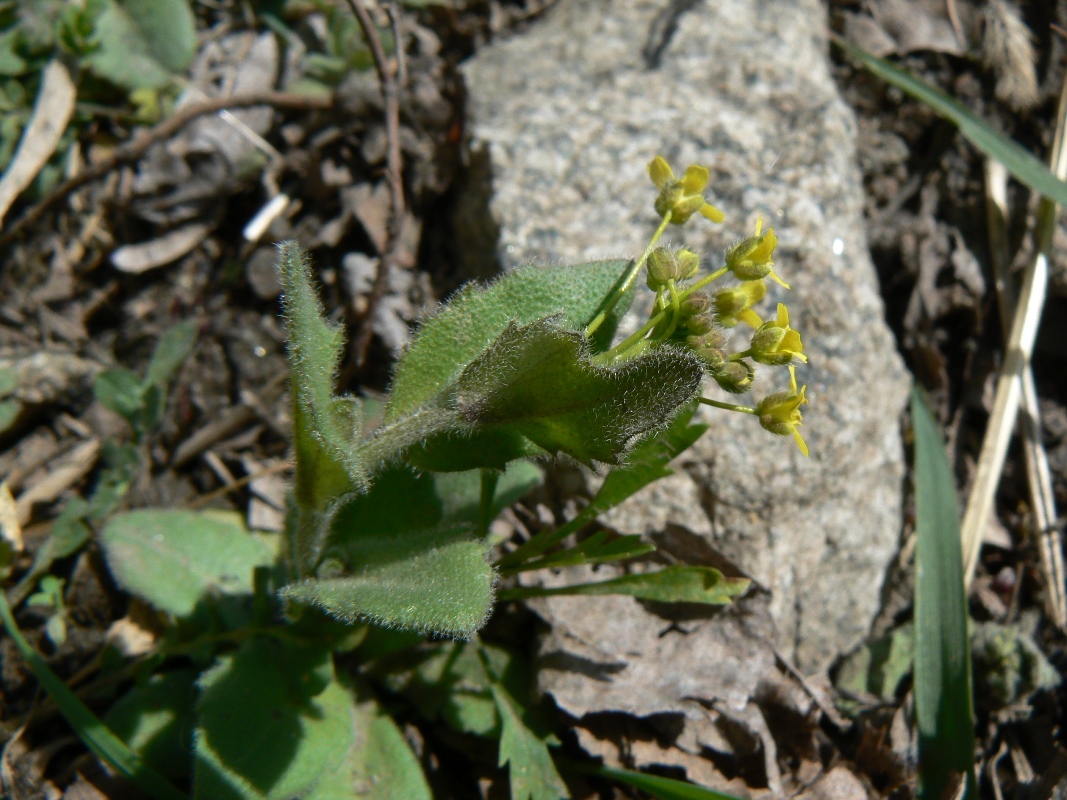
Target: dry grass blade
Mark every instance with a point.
(1039, 478)
(1016, 361)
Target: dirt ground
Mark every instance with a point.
(83, 288)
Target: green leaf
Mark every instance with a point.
(326, 429)
(140, 43)
(476, 316)
(659, 787)
(156, 720)
(175, 559)
(879, 668)
(173, 347)
(10, 411)
(94, 733)
(1019, 162)
(942, 686)
(646, 463)
(435, 580)
(675, 584)
(275, 723)
(120, 391)
(531, 771)
(538, 381)
(596, 549)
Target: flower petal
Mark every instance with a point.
(660, 172)
(711, 212)
(695, 179)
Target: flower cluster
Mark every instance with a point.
(686, 313)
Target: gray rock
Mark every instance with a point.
(563, 120)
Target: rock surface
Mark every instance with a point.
(563, 119)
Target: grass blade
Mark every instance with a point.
(662, 788)
(90, 729)
(942, 653)
(1020, 163)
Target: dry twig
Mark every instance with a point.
(387, 78)
(1017, 353)
(1042, 499)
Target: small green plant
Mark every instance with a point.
(279, 651)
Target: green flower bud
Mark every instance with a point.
(688, 263)
(735, 304)
(696, 303)
(752, 259)
(775, 343)
(662, 267)
(700, 324)
(734, 376)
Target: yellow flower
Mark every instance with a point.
(775, 343)
(780, 412)
(682, 197)
(752, 259)
(735, 305)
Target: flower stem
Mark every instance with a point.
(728, 406)
(602, 315)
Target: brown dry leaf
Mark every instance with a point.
(138, 258)
(51, 113)
(896, 27)
(837, 784)
(81, 789)
(73, 466)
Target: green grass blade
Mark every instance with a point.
(662, 788)
(943, 708)
(1020, 163)
(96, 735)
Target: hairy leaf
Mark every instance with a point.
(538, 381)
(435, 580)
(155, 719)
(174, 559)
(675, 584)
(326, 429)
(274, 723)
(531, 771)
(476, 316)
(173, 347)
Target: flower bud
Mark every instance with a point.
(734, 376)
(700, 324)
(696, 303)
(775, 343)
(662, 267)
(688, 263)
(734, 305)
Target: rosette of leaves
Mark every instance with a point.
(501, 375)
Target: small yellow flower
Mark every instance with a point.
(775, 343)
(682, 197)
(752, 259)
(735, 305)
(779, 413)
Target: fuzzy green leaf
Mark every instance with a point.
(175, 559)
(435, 580)
(538, 381)
(120, 391)
(942, 686)
(476, 316)
(326, 429)
(531, 770)
(156, 720)
(140, 43)
(275, 723)
(675, 584)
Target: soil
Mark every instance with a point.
(228, 419)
